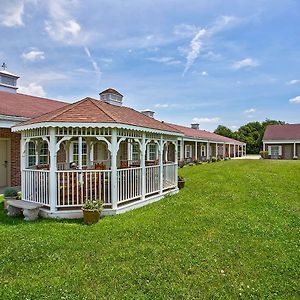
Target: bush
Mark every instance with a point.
(10, 193)
(213, 159)
(181, 164)
(196, 161)
(295, 157)
(264, 154)
(226, 158)
(191, 164)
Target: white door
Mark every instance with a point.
(3, 163)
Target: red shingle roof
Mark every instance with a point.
(282, 132)
(203, 134)
(111, 91)
(90, 110)
(19, 105)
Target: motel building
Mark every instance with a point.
(64, 154)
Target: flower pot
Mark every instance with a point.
(181, 184)
(90, 216)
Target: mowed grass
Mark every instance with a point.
(232, 232)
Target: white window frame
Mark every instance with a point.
(45, 154)
(31, 154)
(203, 150)
(188, 151)
(152, 153)
(84, 154)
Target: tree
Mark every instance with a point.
(225, 131)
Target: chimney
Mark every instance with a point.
(112, 96)
(8, 81)
(148, 112)
(195, 126)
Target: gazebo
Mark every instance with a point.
(96, 149)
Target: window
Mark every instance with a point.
(151, 152)
(43, 159)
(76, 153)
(31, 154)
(275, 151)
(135, 152)
(8, 81)
(188, 151)
(203, 150)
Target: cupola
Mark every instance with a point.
(148, 112)
(8, 81)
(112, 96)
(195, 126)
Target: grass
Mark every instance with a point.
(232, 232)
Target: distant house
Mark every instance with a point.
(282, 141)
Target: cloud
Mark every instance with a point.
(185, 30)
(162, 105)
(206, 120)
(34, 55)
(250, 111)
(197, 43)
(204, 73)
(295, 100)
(245, 63)
(33, 89)
(93, 62)
(165, 60)
(292, 82)
(11, 13)
(62, 26)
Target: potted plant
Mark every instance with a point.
(92, 211)
(295, 157)
(9, 194)
(181, 182)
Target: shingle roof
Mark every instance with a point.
(19, 105)
(203, 134)
(89, 110)
(111, 91)
(282, 132)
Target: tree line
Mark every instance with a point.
(251, 133)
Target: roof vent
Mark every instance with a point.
(148, 112)
(8, 81)
(112, 96)
(195, 126)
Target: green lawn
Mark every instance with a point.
(233, 232)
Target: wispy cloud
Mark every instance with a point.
(197, 43)
(213, 120)
(292, 82)
(165, 60)
(295, 100)
(245, 63)
(93, 62)
(33, 55)
(250, 111)
(185, 30)
(32, 89)
(11, 13)
(162, 105)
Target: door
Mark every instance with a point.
(3, 163)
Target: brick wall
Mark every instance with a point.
(14, 155)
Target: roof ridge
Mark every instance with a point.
(96, 103)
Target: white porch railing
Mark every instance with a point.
(35, 186)
(74, 187)
(129, 184)
(169, 175)
(152, 179)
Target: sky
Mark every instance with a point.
(211, 62)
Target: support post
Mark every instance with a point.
(229, 150)
(161, 165)
(80, 153)
(143, 165)
(234, 150)
(207, 151)
(114, 170)
(52, 171)
(295, 149)
(182, 150)
(176, 161)
(23, 163)
(264, 146)
(216, 150)
(224, 150)
(196, 150)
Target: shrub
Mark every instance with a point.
(226, 158)
(181, 164)
(295, 157)
(95, 205)
(264, 154)
(218, 159)
(10, 193)
(191, 164)
(213, 159)
(196, 161)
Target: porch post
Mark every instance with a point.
(181, 149)
(52, 171)
(23, 163)
(294, 148)
(229, 150)
(224, 150)
(143, 165)
(80, 153)
(216, 150)
(196, 150)
(207, 150)
(234, 150)
(176, 161)
(114, 170)
(264, 146)
(245, 149)
(37, 152)
(161, 165)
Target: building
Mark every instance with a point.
(282, 141)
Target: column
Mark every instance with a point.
(245, 150)
(234, 150)
(114, 170)
(216, 150)
(182, 150)
(196, 150)
(207, 150)
(23, 163)
(229, 150)
(37, 152)
(143, 165)
(52, 171)
(295, 154)
(80, 153)
(176, 163)
(224, 150)
(161, 164)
